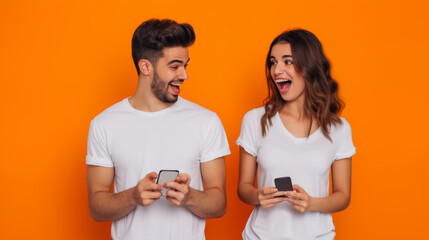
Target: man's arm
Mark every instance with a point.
(210, 203)
(107, 206)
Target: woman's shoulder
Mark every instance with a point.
(255, 113)
(344, 123)
(341, 128)
(253, 117)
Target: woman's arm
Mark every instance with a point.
(246, 184)
(337, 201)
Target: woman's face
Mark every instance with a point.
(289, 82)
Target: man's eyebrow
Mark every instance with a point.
(177, 61)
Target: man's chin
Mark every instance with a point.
(169, 99)
(173, 100)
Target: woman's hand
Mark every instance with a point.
(268, 197)
(299, 198)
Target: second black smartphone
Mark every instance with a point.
(283, 184)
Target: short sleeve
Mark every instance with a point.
(97, 152)
(345, 148)
(215, 143)
(247, 138)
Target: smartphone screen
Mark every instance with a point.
(166, 176)
(283, 184)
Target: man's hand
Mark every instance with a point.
(208, 203)
(179, 193)
(147, 191)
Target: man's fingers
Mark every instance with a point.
(183, 178)
(176, 195)
(174, 201)
(148, 197)
(184, 188)
(156, 187)
(151, 195)
(148, 186)
(151, 176)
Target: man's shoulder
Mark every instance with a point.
(112, 112)
(193, 108)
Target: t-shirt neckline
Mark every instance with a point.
(151, 114)
(293, 137)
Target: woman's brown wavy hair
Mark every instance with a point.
(321, 91)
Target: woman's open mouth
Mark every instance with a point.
(283, 85)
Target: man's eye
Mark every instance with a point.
(174, 67)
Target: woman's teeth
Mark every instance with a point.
(283, 81)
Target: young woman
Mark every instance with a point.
(298, 134)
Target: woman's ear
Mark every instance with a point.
(145, 67)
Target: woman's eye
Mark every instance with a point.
(288, 62)
(273, 63)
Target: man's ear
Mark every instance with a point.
(145, 67)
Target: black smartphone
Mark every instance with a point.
(166, 176)
(283, 184)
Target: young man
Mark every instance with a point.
(155, 130)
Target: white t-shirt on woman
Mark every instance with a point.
(306, 160)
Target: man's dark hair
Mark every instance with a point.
(155, 34)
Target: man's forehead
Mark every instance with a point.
(178, 53)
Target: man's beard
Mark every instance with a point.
(160, 90)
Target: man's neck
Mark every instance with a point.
(144, 100)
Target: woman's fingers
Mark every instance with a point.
(271, 202)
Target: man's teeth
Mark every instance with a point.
(176, 84)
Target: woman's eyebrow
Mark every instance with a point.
(284, 56)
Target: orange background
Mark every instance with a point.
(63, 62)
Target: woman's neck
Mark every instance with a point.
(295, 110)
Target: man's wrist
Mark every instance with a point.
(134, 199)
(189, 198)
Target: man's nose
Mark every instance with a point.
(183, 75)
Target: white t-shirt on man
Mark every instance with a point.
(135, 143)
(306, 161)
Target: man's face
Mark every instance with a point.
(169, 74)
